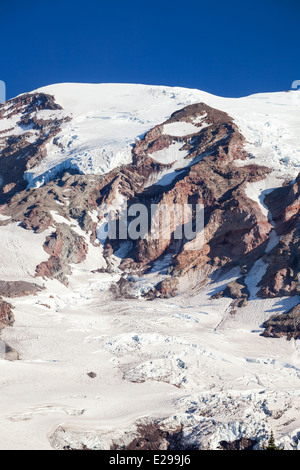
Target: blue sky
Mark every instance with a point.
(229, 48)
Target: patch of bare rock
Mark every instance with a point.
(286, 324)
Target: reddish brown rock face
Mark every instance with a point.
(65, 247)
(284, 204)
(282, 276)
(236, 231)
(18, 153)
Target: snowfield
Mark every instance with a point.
(175, 361)
(108, 118)
(185, 361)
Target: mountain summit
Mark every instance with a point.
(71, 153)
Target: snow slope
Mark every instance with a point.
(106, 121)
(108, 118)
(21, 251)
(173, 360)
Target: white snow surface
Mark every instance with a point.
(181, 129)
(174, 360)
(185, 361)
(106, 121)
(108, 118)
(21, 251)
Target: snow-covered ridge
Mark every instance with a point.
(106, 121)
(108, 118)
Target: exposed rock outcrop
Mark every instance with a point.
(18, 288)
(236, 231)
(65, 247)
(71, 198)
(282, 277)
(24, 145)
(286, 324)
(241, 444)
(6, 314)
(236, 290)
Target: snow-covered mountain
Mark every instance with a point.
(133, 337)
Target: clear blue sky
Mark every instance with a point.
(229, 48)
